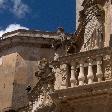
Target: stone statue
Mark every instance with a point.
(44, 86)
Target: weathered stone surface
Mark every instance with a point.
(88, 98)
(20, 52)
(78, 9)
(77, 79)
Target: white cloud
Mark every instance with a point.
(12, 27)
(17, 7)
(2, 3)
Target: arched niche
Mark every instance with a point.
(94, 29)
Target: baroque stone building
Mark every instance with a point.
(60, 72)
(20, 52)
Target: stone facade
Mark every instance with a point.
(20, 52)
(59, 72)
(78, 9)
(82, 77)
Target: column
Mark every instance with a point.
(90, 75)
(73, 79)
(81, 77)
(99, 73)
(64, 73)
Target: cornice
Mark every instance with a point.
(34, 33)
(30, 37)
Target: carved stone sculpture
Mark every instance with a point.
(44, 86)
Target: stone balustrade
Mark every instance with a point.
(84, 71)
(84, 68)
(75, 72)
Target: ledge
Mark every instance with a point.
(30, 37)
(83, 91)
(77, 56)
(34, 33)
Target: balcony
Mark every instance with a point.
(85, 82)
(84, 68)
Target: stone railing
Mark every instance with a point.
(83, 68)
(74, 73)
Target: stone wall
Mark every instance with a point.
(7, 72)
(20, 51)
(78, 9)
(88, 98)
(108, 23)
(17, 71)
(26, 66)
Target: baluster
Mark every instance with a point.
(99, 73)
(90, 75)
(73, 79)
(81, 76)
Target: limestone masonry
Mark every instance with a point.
(58, 71)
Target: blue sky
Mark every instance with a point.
(45, 15)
